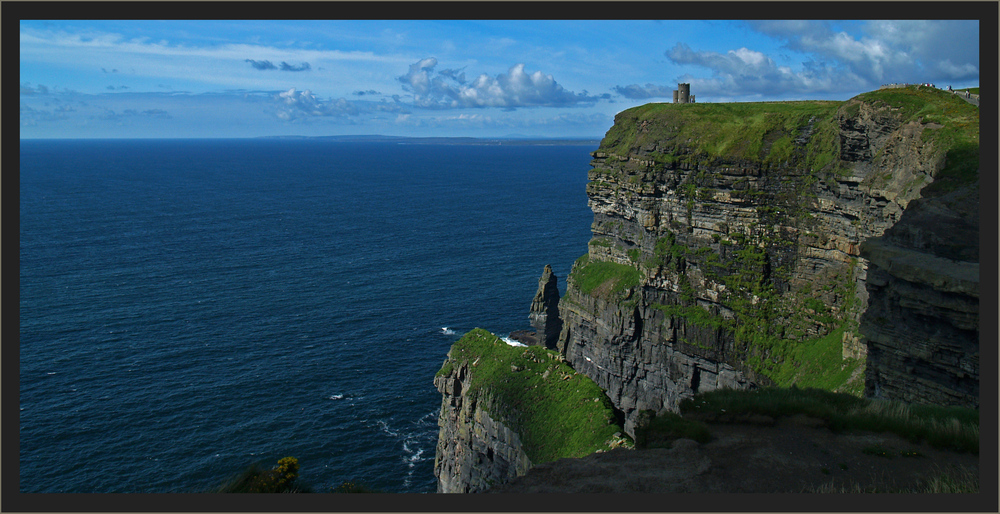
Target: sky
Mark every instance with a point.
(446, 78)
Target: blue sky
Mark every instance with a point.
(480, 78)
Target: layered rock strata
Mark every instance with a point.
(474, 451)
(710, 260)
(922, 324)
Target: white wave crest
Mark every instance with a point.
(447, 331)
(512, 342)
(385, 428)
(337, 397)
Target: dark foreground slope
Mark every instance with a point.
(780, 440)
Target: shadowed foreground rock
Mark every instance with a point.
(923, 322)
(790, 456)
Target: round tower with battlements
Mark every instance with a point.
(683, 92)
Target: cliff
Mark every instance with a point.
(505, 408)
(922, 324)
(820, 244)
(726, 247)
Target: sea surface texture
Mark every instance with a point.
(191, 307)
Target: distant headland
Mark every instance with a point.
(500, 141)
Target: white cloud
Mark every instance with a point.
(293, 104)
(887, 50)
(516, 88)
(743, 72)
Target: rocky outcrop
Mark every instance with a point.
(504, 408)
(922, 324)
(474, 451)
(544, 313)
(712, 258)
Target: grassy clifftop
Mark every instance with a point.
(556, 411)
(755, 132)
(766, 132)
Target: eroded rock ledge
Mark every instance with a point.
(505, 408)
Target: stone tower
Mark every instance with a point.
(682, 95)
(683, 92)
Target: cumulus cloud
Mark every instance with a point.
(834, 61)
(888, 50)
(516, 88)
(745, 72)
(637, 92)
(294, 104)
(368, 92)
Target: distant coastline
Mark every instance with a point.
(499, 141)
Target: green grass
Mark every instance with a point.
(556, 411)
(693, 314)
(951, 428)
(605, 278)
(751, 131)
(819, 363)
(957, 138)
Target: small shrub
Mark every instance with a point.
(279, 479)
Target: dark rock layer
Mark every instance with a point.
(922, 324)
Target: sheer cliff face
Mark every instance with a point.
(505, 408)
(715, 253)
(922, 323)
(474, 452)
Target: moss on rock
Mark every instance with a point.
(556, 411)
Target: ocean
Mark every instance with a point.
(192, 307)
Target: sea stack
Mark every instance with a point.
(544, 315)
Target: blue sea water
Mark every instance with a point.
(191, 307)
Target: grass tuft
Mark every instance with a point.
(950, 428)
